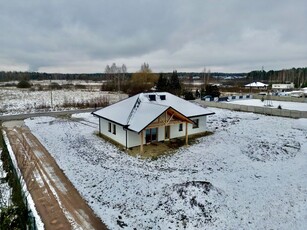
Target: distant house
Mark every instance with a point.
(151, 117)
(256, 85)
(283, 86)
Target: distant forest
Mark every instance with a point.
(296, 75)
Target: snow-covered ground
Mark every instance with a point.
(284, 104)
(250, 174)
(16, 101)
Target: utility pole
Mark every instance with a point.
(118, 82)
(51, 102)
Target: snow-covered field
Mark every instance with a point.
(250, 174)
(284, 104)
(16, 101)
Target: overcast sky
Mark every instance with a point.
(74, 36)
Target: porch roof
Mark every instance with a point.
(146, 110)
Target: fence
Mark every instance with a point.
(281, 98)
(256, 109)
(20, 184)
(257, 96)
(226, 98)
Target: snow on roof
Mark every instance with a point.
(146, 110)
(140, 110)
(256, 84)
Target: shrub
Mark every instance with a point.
(80, 86)
(67, 86)
(23, 84)
(189, 96)
(212, 90)
(54, 86)
(10, 85)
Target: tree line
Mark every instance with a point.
(119, 79)
(296, 75)
(18, 76)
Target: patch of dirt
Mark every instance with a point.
(223, 123)
(264, 150)
(58, 203)
(198, 196)
(155, 150)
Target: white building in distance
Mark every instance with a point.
(283, 86)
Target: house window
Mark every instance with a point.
(114, 129)
(196, 123)
(151, 135)
(109, 127)
(152, 97)
(180, 127)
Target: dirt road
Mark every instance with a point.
(58, 203)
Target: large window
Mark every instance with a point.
(151, 135)
(180, 127)
(196, 123)
(114, 129)
(109, 127)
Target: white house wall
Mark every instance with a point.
(202, 125)
(134, 139)
(161, 133)
(120, 135)
(201, 128)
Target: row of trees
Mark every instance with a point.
(119, 80)
(143, 80)
(18, 76)
(114, 69)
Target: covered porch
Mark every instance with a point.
(161, 130)
(157, 149)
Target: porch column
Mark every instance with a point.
(186, 134)
(99, 125)
(142, 138)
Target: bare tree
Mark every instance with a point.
(206, 76)
(114, 68)
(115, 74)
(145, 68)
(124, 69)
(107, 69)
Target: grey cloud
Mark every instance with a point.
(170, 34)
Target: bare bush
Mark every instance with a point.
(101, 101)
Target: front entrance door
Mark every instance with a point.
(151, 135)
(167, 132)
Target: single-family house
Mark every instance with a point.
(257, 85)
(151, 117)
(283, 86)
